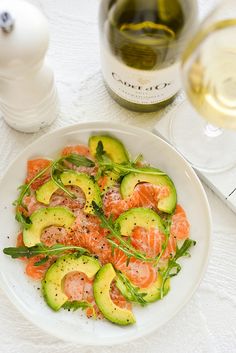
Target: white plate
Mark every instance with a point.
(75, 326)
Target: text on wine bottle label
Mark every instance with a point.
(140, 86)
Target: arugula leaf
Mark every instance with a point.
(167, 225)
(56, 177)
(57, 249)
(173, 267)
(25, 221)
(75, 305)
(25, 190)
(99, 151)
(42, 261)
(106, 165)
(138, 159)
(58, 167)
(135, 295)
(78, 160)
(123, 245)
(126, 168)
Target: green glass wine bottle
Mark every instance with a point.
(141, 42)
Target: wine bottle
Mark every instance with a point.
(141, 42)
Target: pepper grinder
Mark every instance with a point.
(28, 98)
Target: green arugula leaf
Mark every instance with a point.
(56, 172)
(42, 261)
(173, 267)
(58, 167)
(183, 251)
(122, 244)
(58, 249)
(138, 159)
(167, 225)
(25, 190)
(135, 295)
(107, 165)
(79, 160)
(25, 221)
(99, 151)
(75, 305)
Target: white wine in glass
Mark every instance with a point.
(209, 79)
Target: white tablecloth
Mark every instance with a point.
(208, 323)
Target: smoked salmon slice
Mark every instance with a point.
(19, 240)
(38, 272)
(77, 149)
(118, 298)
(148, 241)
(60, 198)
(54, 235)
(89, 234)
(151, 241)
(180, 227)
(144, 195)
(35, 166)
(77, 286)
(82, 151)
(141, 274)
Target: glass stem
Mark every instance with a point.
(212, 130)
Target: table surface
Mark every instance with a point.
(208, 323)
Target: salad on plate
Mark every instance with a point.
(101, 231)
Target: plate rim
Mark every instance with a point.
(106, 125)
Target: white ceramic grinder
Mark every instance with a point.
(28, 98)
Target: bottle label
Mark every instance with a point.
(140, 86)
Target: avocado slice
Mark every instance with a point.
(101, 290)
(43, 193)
(46, 217)
(127, 221)
(138, 217)
(114, 149)
(112, 146)
(152, 293)
(129, 182)
(53, 280)
(85, 182)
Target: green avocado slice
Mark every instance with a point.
(85, 182)
(146, 218)
(112, 146)
(53, 281)
(138, 217)
(152, 293)
(129, 182)
(101, 290)
(44, 192)
(114, 149)
(46, 217)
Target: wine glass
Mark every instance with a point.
(208, 68)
